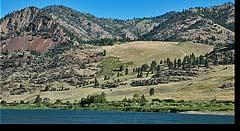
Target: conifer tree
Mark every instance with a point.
(215, 61)
(168, 60)
(153, 65)
(175, 64)
(96, 83)
(143, 99)
(151, 92)
(126, 71)
(201, 60)
(121, 68)
(179, 63)
(118, 74)
(158, 69)
(161, 61)
(184, 63)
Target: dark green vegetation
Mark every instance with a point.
(137, 103)
(167, 71)
(111, 65)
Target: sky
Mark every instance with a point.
(121, 9)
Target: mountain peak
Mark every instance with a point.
(211, 25)
(31, 8)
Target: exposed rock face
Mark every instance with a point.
(41, 29)
(30, 28)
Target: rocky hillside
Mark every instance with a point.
(87, 26)
(202, 25)
(41, 29)
(30, 29)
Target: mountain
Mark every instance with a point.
(30, 29)
(43, 29)
(87, 26)
(202, 25)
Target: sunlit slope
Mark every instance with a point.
(141, 52)
(204, 87)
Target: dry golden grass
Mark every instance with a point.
(141, 52)
(203, 87)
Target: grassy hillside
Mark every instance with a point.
(204, 87)
(141, 52)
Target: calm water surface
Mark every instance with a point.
(106, 117)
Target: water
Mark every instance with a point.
(106, 117)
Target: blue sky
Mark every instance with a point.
(121, 9)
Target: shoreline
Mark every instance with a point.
(208, 113)
(222, 113)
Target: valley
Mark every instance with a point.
(57, 57)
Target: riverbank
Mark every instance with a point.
(212, 107)
(227, 113)
(222, 113)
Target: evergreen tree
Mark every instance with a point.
(38, 99)
(175, 64)
(3, 102)
(170, 65)
(153, 65)
(215, 61)
(144, 67)
(104, 53)
(121, 68)
(179, 63)
(158, 69)
(125, 99)
(138, 69)
(184, 63)
(201, 60)
(96, 83)
(126, 71)
(47, 88)
(188, 65)
(118, 74)
(151, 92)
(168, 60)
(143, 99)
(194, 62)
(105, 77)
(161, 62)
(140, 74)
(102, 98)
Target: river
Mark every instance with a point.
(107, 117)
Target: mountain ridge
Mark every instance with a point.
(200, 25)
